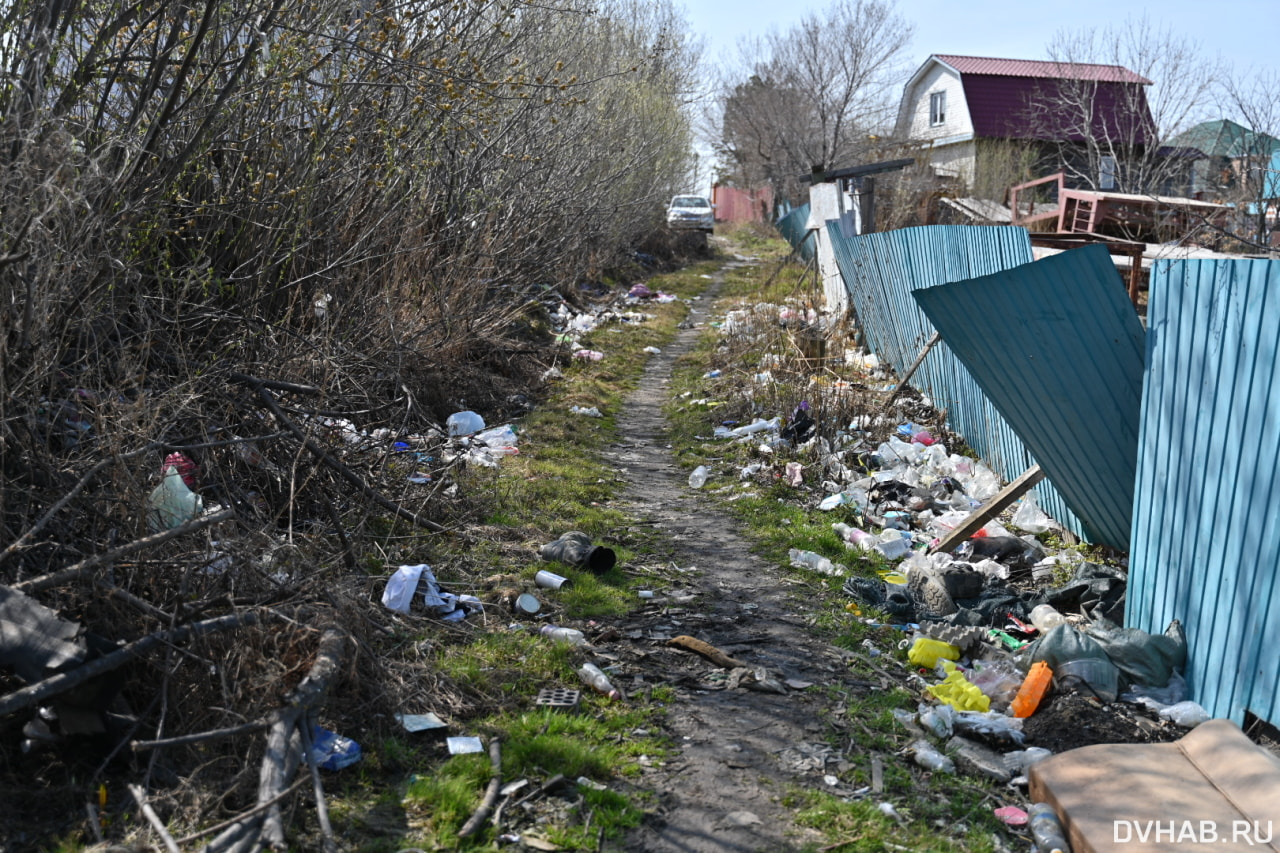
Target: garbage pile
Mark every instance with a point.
(995, 627)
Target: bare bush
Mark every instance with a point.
(260, 232)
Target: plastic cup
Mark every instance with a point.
(1101, 676)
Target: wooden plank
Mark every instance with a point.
(911, 371)
(991, 508)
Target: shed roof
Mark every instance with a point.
(1225, 138)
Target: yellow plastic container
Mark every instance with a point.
(926, 652)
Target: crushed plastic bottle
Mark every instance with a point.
(816, 562)
(930, 759)
(1046, 617)
(571, 636)
(698, 478)
(1047, 829)
(594, 678)
(853, 537)
(892, 545)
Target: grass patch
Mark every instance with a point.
(556, 483)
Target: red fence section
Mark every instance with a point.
(735, 205)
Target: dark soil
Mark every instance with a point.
(1073, 720)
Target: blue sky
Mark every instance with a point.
(1246, 32)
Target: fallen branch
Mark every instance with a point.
(342, 470)
(25, 539)
(200, 737)
(140, 797)
(911, 371)
(708, 651)
(322, 808)
(258, 809)
(490, 796)
(64, 681)
(283, 753)
(89, 563)
(255, 382)
(540, 790)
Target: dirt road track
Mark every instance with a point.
(723, 793)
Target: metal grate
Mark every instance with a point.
(559, 698)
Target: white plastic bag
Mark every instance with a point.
(401, 586)
(1187, 714)
(172, 503)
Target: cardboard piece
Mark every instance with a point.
(1213, 789)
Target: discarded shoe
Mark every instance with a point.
(576, 549)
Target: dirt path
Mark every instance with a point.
(741, 748)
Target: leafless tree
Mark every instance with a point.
(1108, 133)
(813, 93)
(1250, 97)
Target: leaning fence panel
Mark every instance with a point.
(1064, 369)
(881, 271)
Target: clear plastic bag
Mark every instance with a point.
(1030, 518)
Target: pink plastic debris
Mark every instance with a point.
(186, 469)
(1012, 815)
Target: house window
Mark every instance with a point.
(1107, 173)
(937, 108)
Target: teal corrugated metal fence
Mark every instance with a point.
(1058, 349)
(881, 271)
(792, 228)
(1206, 533)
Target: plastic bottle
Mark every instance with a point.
(893, 548)
(597, 680)
(1033, 688)
(698, 478)
(1045, 617)
(854, 537)
(810, 560)
(930, 759)
(572, 636)
(1047, 829)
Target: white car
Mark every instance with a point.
(691, 213)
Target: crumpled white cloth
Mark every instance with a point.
(402, 585)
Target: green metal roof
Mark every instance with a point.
(1225, 138)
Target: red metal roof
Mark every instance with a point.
(1041, 68)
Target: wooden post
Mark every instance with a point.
(1135, 274)
(991, 509)
(867, 203)
(911, 371)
